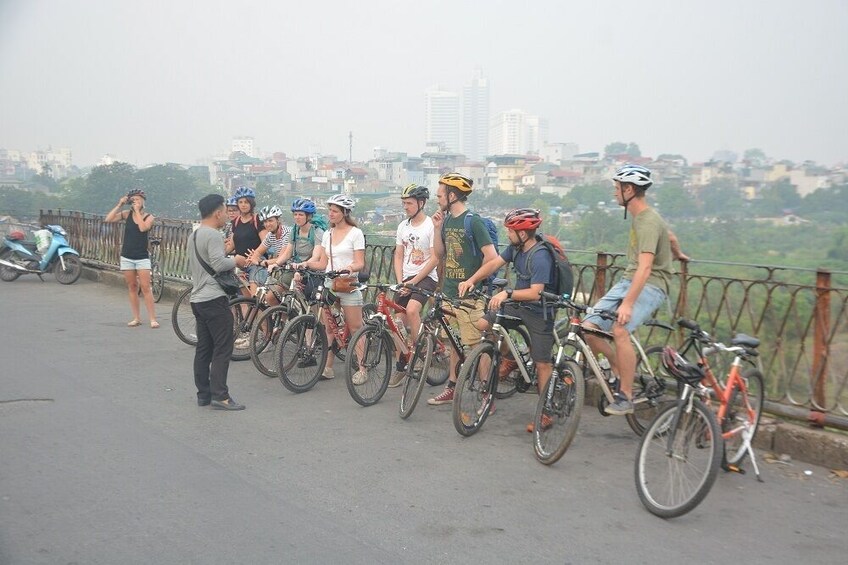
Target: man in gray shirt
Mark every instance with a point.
(210, 306)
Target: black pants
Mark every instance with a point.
(214, 348)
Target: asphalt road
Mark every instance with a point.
(105, 458)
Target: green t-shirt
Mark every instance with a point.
(649, 234)
(460, 263)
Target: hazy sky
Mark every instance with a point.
(175, 80)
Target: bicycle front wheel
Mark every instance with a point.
(301, 353)
(264, 336)
(474, 394)
(245, 312)
(738, 421)
(417, 373)
(183, 320)
(558, 413)
(650, 393)
(368, 377)
(674, 475)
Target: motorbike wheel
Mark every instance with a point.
(8, 274)
(72, 270)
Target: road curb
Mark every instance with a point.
(116, 278)
(825, 448)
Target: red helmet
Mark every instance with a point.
(523, 219)
(16, 235)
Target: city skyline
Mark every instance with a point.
(143, 85)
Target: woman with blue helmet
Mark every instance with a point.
(247, 232)
(303, 235)
(232, 214)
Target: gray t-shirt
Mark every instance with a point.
(302, 245)
(210, 246)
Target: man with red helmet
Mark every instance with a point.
(521, 225)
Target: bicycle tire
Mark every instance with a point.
(734, 448)
(659, 474)
(417, 373)
(378, 351)
(264, 336)
(183, 320)
(157, 281)
(509, 384)
(562, 403)
(473, 396)
(303, 341)
(651, 394)
(245, 311)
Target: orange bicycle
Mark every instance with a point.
(686, 443)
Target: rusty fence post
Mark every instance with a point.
(600, 276)
(821, 330)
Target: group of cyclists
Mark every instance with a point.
(454, 248)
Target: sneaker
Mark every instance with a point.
(446, 397)
(360, 377)
(547, 422)
(621, 405)
(228, 404)
(397, 378)
(508, 365)
(311, 362)
(241, 342)
(328, 373)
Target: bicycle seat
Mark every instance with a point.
(499, 284)
(680, 368)
(745, 341)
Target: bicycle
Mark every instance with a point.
(651, 390)
(475, 392)
(301, 352)
(683, 448)
(265, 333)
(428, 349)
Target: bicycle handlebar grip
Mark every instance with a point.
(689, 324)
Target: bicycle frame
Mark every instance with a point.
(385, 307)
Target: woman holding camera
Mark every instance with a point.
(135, 259)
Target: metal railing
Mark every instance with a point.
(800, 315)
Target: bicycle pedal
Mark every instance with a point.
(734, 469)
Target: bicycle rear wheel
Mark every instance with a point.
(650, 394)
(474, 394)
(737, 416)
(368, 379)
(439, 368)
(182, 319)
(245, 312)
(417, 373)
(672, 480)
(157, 280)
(301, 353)
(558, 413)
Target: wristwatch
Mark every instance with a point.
(509, 294)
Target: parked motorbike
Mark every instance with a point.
(19, 257)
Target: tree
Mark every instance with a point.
(633, 150)
(776, 198)
(171, 191)
(615, 148)
(754, 156)
(674, 202)
(721, 199)
(102, 188)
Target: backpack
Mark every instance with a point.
(563, 278)
(492, 228)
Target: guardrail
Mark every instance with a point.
(800, 315)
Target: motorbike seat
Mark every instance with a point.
(28, 245)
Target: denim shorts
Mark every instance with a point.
(256, 274)
(134, 264)
(354, 298)
(649, 300)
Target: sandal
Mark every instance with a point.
(154, 324)
(133, 323)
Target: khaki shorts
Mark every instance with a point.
(464, 322)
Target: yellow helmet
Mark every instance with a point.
(457, 181)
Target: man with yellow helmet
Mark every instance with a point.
(462, 256)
